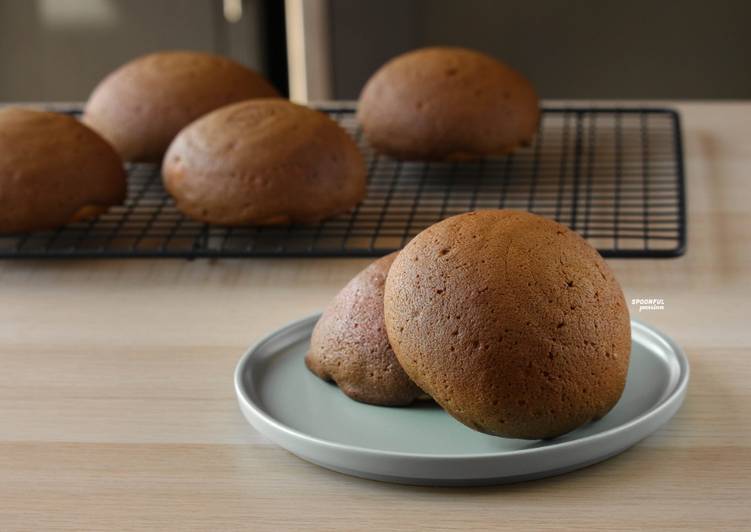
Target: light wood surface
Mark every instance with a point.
(117, 409)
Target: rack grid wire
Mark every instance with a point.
(615, 175)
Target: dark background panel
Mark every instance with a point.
(569, 49)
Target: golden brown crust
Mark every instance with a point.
(53, 171)
(264, 161)
(447, 103)
(349, 344)
(142, 105)
(511, 322)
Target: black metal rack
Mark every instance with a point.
(615, 175)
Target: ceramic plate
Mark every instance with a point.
(421, 444)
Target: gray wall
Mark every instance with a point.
(569, 49)
(57, 50)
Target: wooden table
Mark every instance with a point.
(117, 409)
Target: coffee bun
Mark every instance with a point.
(141, 106)
(511, 322)
(349, 345)
(447, 103)
(53, 171)
(265, 161)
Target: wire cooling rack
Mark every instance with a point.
(614, 175)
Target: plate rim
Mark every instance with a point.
(666, 402)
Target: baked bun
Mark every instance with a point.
(447, 104)
(53, 171)
(264, 162)
(511, 322)
(142, 105)
(349, 344)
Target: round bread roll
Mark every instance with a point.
(53, 171)
(142, 105)
(265, 161)
(511, 322)
(447, 104)
(349, 344)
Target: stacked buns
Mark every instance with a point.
(511, 322)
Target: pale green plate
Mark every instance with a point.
(421, 444)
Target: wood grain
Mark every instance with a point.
(117, 409)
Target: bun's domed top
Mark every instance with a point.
(53, 171)
(511, 322)
(264, 161)
(447, 103)
(349, 344)
(142, 105)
